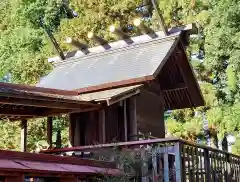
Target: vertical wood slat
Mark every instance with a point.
(166, 167)
(234, 166)
(102, 126)
(77, 131)
(178, 161)
(237, 162)
(184, 172)
(132, 119)
(238, 169)
(227, 167)
(213, 164)
(230, 174)
(71, 132)
(144, 168)
(125, 120)
(207, 166)
(221, 167)
(154, 164)
(201, 164)
(188, 163)
(235, 169)
(24, 135)
(49, 131)
(193, 164)
(197, 164)
(217, 166)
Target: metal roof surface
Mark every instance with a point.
(130, 62)
(55, 167)
(107, 94)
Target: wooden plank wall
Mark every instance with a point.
(150, 114)
(112, 124)
(115, 123)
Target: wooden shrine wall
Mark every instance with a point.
(150, 114)
(95, 127)
(119, 122)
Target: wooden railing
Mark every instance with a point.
(165, 160)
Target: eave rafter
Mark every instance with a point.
(21, 105)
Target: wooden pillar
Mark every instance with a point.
(49, 131)
(72, 123)
(24, 135)
(125, 120)
(132, 119)
(59, 139)
(77, 133)
(102, 126)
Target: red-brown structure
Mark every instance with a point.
(18, 167)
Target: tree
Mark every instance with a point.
(219, 69)
(97, 16)
(24, 47)
(223, 49)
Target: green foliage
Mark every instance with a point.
(222, 48)
(219, 30)
(36, 133)
(10, 135)
(97, 16)
(24, 48)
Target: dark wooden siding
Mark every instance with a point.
(150, 114)
(178, 82)
(112, 121)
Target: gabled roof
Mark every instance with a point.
(134, 63)
(106, 73)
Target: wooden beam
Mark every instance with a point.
(48, 112)
(49, 131)
(34, 112)
(16, 111)
(34, 89)
(19, 178)
(42, 103)
(24, 136)
(125, 96)
(72, 179)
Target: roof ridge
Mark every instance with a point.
(114, 50)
